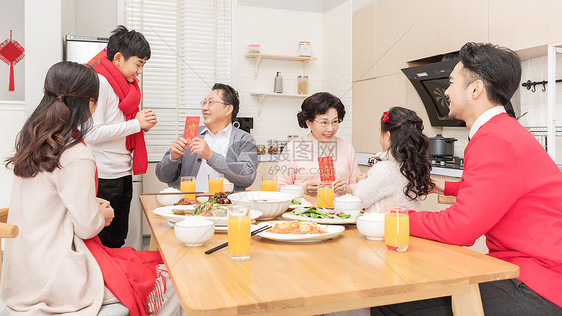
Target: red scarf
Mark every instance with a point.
(129, 98)
(129, 274)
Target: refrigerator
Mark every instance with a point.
(81, 49)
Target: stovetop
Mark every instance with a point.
(451, 162)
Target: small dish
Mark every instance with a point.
(194, 231)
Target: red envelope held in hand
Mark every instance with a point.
(326, 168)
(191, 127)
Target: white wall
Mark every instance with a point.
(278, 31)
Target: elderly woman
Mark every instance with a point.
(321, 113)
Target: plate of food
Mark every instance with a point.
(301, 231)
(215, 213)
(299, 202)
(322, 215)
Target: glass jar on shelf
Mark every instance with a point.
(302, 84)
(261, 149)
(272, 147)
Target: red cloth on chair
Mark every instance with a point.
(129, 98)
(129, 274)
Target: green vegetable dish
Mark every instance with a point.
(296, 201)
(314, 212)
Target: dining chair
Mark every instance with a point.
(12, 231)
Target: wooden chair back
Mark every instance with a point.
(6, 230)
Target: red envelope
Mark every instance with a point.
(191, 127)
(326, 168)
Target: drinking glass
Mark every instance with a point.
(188, 185)
(239, 232)
(325, 195)
(397, 229)
(269, 183)
(215, 183)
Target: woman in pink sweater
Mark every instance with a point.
(322, 113)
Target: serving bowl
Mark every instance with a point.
(169, 199)
(296, 190)
(348, 203)
(371, 226)
(194, 231)
(270, 203)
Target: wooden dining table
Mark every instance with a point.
(344, 273)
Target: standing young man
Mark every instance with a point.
(510, 192)
(117, 135)
(218, 148)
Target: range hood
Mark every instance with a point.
(431, 81)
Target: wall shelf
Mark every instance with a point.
(261, 96)
(257, 58)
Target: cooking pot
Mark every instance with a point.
(440, 146)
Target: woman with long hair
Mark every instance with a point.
(57, 264)
(401, 172)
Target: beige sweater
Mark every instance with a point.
(48, 269)
(384, 184)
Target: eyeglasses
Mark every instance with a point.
(326, 123)
(210, 102)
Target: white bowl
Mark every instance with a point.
(194, 231)
(169, 199)
(371, 226)
(296, 190)
(270, 203)
(345, 205)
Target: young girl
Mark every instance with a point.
(57, 264)
(400, 173)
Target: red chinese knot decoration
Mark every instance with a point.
(11, 53)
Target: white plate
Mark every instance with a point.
(338, 220)
(166, 212)
(332, 231)
(304, 203)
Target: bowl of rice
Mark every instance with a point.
(169, 199)
(348, 202)
(296, 190)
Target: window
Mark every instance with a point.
(191, 44)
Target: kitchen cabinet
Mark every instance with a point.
(443, 26)
(519, 24)
(363, 44)
(370, 99)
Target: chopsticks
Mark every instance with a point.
(257, 231)
(174, 193)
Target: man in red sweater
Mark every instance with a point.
(510, 191)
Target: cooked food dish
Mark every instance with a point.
(210, 208)
(222, 197)
(179, 211)
(314, 212)
(296, 201)
(186, 201)
(297, 227)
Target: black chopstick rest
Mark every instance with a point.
(257, 231)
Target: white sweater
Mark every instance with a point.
(384, 184)
(107, 137)
(48, 269)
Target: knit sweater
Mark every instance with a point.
(510, 191)
(384, 184)
(48, 269)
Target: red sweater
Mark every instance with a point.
(510, 191)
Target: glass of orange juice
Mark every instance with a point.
(215, 183)
(187, 184)
(325, 195)
(269, 183)
(239, 232)
(397, 229)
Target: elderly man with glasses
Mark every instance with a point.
(219, 147)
